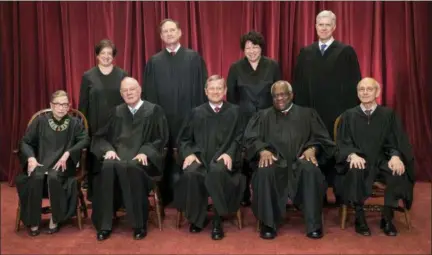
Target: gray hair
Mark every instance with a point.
(283, 83)
(326, 14)
(215, 77)
(370, 80)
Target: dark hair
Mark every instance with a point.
(105, 43)
(165, 21)
(255, 37)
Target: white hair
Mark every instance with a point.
(285, 83)
(326, 14)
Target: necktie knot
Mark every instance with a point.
(216, 109)
(172, 53)
(134, 111)
(323, 47)
(368, 112)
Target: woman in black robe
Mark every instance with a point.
(99, 94)
(49, 153)
(249, 82)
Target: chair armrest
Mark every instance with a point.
(15, 151)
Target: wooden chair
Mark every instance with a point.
(81, 210)
(378, 190)
(158, 207)
(179, 217)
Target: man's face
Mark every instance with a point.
(252, 51)
(368, 92)
(325, 28)
(60, 107)
(105, 57)
(130, 92)
(170, 33)
(282, 98)
(215, 91)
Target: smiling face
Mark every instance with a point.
(216, 91)
(170, 33)
(282, 96)
(368, 91)
(252, 51)
(130, 91)
(105, 56)
(325, 27)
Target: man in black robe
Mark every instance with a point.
(174, 78)
(131, 146)
(373, 146)
(287, 142)
(325, 78)
(49, 153)
(209, 144)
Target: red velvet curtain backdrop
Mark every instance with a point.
(47, 46)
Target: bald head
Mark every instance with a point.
(368, 90)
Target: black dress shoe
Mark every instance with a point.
(139, 233)
(317, 234)
(388, 227)
(51, 231)
(33, 232)
(245, 203)
(362, 228)
(217, 232)
(103, 235)
(267, 232)
(194, 229)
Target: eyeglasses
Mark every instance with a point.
(65, 105)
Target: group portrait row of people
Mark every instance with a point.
(250, 131)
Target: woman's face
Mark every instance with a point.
(252, 51)
(105, 57)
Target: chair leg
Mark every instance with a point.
(179, 219)
(407, 219)
(344, 210)
(83, 206)
(239, 219)
(158, 204)
(79, 216)
(18, 218)
(258, 226)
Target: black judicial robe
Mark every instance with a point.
(376, 140)
(129, 135)
(100, 93)
(327, 83)
(176, 83)
(208, 135)
(286, 136)
(249, 88)
(47, 146)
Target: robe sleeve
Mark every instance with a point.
(202, 76)
(83, 105)
(100, 143)
(252, 137)
(344, 140)
(236, 139)
(153, 149)
(277, 75)
(149, 86)
(29, 143)
(232, 85)
(300, 86)
(352, 77)
(187, 145)
(81, 141)
(320, 139)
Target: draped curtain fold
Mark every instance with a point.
(47, 46)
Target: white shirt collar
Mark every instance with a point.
(136, 106)
(372, 108)
(328, 43)
(213, 106)
(289, 108)
(175, 50)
